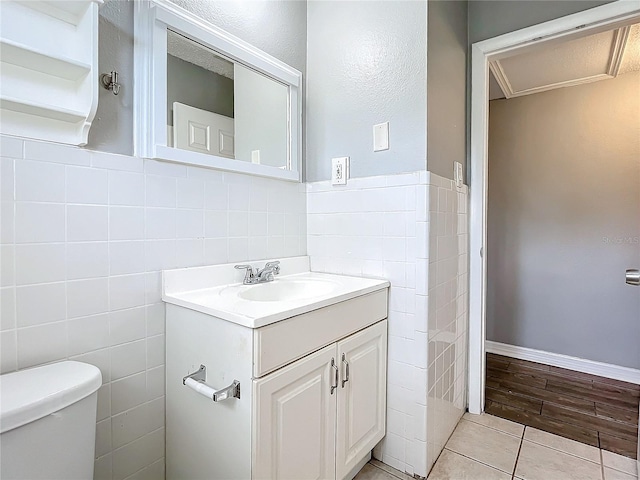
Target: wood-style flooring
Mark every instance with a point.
(594, 410)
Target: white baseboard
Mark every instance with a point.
(607, 370)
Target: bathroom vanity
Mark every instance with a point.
(306, 354)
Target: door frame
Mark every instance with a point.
(594, 20)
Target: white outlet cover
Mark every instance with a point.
(381, 137)
(457, 174)
(339, 170)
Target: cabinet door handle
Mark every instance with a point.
(346, 370)
(334, 366)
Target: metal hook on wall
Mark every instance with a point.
(110, 81)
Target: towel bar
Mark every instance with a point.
(196, 382)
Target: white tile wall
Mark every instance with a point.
(83, 237)
(410, 229)
(447, 312)
(372, 227)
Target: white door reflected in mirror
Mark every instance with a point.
(202, 131)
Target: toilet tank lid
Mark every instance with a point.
(28, 395)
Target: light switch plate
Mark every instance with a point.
(255, 157)
(457, 174)
(381, 137)
(339, 170)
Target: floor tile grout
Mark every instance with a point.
(567, 453)
(515, 465)
(385, 471)
(594, 464)
(493, 428)
(474, 460)
(601, 464)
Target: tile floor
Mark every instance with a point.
(484, 447)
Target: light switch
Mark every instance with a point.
(339, 170)
(381, 137)
(255, 157)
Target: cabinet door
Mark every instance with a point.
(294, 420)
(362, 395)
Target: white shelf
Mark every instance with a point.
(65, 10)
(41, 110)
(58, 66)
(49, 68)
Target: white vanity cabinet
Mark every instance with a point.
(299, 415)
(311, 420)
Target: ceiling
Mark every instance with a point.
(587, 59)
(192, 52)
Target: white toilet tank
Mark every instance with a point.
(48, 422)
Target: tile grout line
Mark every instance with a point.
(383, 470)
(515, 465)
(474, 460)
(601, 463)
(495, 429)
(562, 451)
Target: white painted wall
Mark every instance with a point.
(564, 221)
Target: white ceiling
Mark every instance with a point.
(591, 58)
(193, 52)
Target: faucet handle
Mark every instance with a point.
(248, 277)
(275, 266)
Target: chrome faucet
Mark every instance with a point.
(262, 275)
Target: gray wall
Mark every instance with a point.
(198, 87)
(491, 18)
(446, 87)
(366, 65)
(564, 221)
(112, 127)
(276, 26)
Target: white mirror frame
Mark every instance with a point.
(152, 19)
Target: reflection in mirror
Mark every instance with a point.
(222, 108)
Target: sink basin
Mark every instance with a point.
(281, 290)
(285, 290)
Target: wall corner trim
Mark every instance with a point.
(601, 369)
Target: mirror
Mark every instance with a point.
(219, 107)
(207, 98)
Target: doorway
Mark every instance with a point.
(595, 20)
(552, 33)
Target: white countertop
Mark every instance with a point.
(219, 297)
